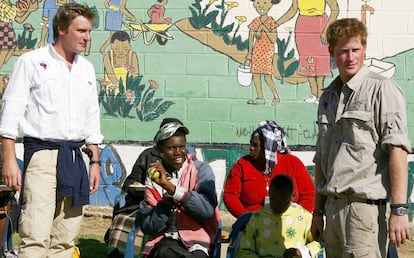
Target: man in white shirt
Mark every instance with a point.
(52, 99)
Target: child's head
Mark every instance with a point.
(120, 44)
(281, 193)
(263, 6)
(121, 36)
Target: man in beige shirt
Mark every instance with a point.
(361, 153)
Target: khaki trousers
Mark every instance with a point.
(48, 222)
(355, 229)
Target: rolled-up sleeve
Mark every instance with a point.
(393, 120)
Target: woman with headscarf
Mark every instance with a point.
(179, 212)
(247, 184)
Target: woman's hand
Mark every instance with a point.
(248, 59)
(159, 176)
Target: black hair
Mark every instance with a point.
(121, 36)
(282, 182)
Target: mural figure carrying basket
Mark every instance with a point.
(244, 75)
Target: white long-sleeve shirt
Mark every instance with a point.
(46, 100)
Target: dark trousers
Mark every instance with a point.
(170, 248)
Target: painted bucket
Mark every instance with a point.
(244, 75)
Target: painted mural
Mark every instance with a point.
(221, 66)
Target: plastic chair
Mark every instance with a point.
(236, 232)
(217, 246)
(7, 243)
(129, 250)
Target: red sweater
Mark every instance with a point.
(245, 187)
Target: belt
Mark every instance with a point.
(361, 200)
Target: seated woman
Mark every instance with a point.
(180, 212)
(247, 184)
(139, 171)
(125, 210)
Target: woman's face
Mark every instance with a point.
(262, 6)
(256, 149)
(174, 151)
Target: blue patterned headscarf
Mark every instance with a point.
(274, 138)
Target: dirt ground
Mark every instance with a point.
(97, 220)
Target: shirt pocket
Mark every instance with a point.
(323, 123)
(358, 128)
(85, 91)
(47, 91)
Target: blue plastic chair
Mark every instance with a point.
(7, 243)
(236, 232)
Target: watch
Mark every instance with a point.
(400, 211)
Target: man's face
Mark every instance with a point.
(349, 55)
(74, 39)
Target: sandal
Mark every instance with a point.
(257, 101)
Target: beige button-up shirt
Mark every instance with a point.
(354, 134)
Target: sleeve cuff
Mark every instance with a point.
(304, 251)
(178, 194)
(9, 136)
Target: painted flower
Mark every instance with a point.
(231, 5)
(5, 81)
(129, 94)
(103, 82)
(130, 68)
(153, 84)
(241, 19)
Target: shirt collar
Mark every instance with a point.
(56, 55)
(356, 81)
(354, 84)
